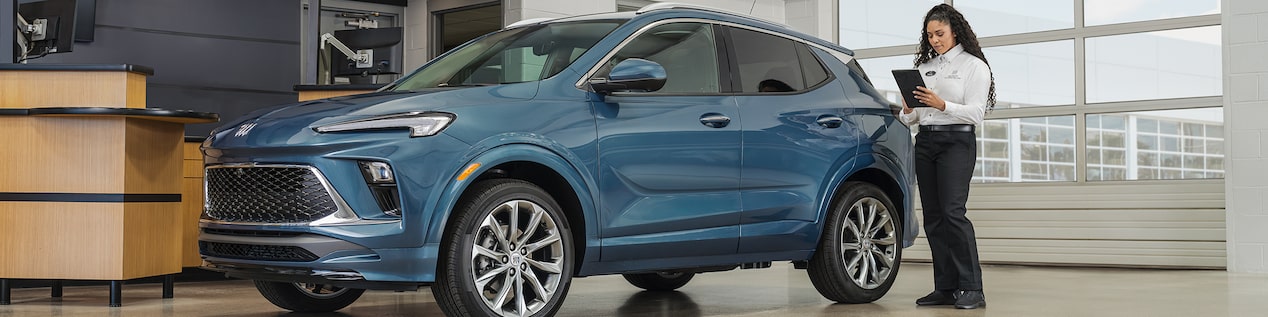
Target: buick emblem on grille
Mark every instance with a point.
(244, 129)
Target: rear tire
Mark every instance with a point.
(859, 251)
(659, 281)
(507, 252)
(307, 297)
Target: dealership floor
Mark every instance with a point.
(777, 291)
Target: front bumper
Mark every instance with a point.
(283, 257)
(374, 250)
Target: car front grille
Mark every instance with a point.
(255, 252)
(267, 194)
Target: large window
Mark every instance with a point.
(1131, 93)
(1099, 12)
(1171, 144)
(1003, 17)
(1035, 74)
(880, 23)
(1155, 65)
(1026, 149)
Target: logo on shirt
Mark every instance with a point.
(931, 73)
(954, 75)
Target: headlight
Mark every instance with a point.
(418, 123)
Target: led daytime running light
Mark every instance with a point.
(420, 124)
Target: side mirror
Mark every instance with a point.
(633, 74)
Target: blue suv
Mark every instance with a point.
(656, 144)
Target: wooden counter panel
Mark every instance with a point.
(52, 240)
(153, 157)
(35, 89)
(88, 155)
(152, 241)
(136, 91)
(61, 155)
(192, 209)
(193, 160)
(322, 94)
(189, 150)
(192, 168)
(191, 203)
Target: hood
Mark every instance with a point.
(294, 123)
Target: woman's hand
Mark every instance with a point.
(928, 97)
(906, 109)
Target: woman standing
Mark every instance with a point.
(961, 89)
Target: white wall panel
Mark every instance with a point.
(1138, 223)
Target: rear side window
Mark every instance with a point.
(811, 68)
(767, 63)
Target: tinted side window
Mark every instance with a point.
(810, 67)
(767, 63)
(686, 50)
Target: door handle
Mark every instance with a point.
(829, 121)
(715, 120)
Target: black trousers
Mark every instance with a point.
(944, 167)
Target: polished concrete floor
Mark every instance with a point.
(777, 291)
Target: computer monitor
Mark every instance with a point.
(382, 41)
(63, 23)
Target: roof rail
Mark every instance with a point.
(529, 21)
(676, 5)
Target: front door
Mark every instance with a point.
(669, 160)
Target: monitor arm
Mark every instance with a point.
(27, 33)
(362, 57)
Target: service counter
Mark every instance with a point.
(90, 179)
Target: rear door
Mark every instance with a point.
(797, 132)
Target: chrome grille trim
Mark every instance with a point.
(343, 214)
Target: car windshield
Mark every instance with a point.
(511, 56)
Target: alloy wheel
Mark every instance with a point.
(517, 258)
(868, 243)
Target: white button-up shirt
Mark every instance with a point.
(962, 80)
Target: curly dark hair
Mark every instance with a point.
(964, 35)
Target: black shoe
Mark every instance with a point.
(937, 297)
(970, 300)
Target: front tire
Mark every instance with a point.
(659, 281)
(507, 252)
(307, 297)
(858, 255)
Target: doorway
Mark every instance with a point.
(456, 26)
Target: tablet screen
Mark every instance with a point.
(908, 80)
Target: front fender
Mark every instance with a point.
(535, 152)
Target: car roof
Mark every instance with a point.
(663, 10)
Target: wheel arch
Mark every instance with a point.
(534, 164)
(885, 173)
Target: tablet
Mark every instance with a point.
(908, 80)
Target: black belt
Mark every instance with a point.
(947, 128)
